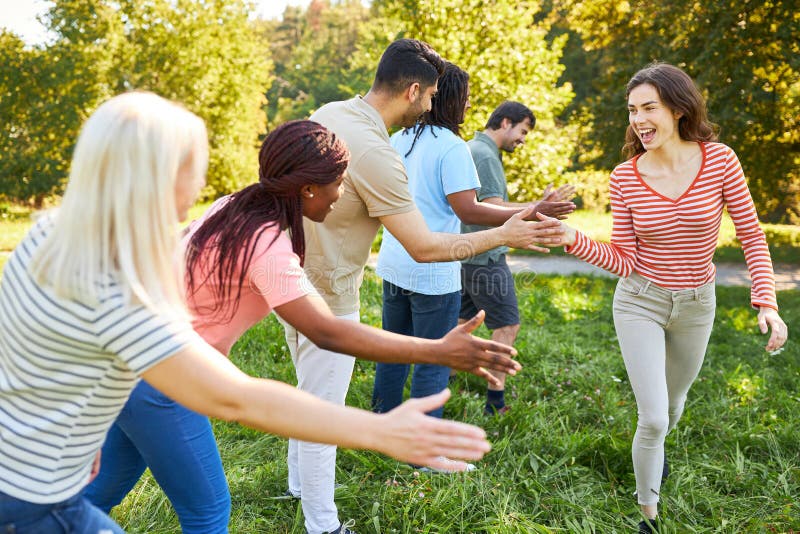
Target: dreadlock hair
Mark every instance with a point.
(679, 93)
(448, 104)
(295, 154)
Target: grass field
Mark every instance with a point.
(561, 457)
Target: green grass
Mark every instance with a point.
(561, 457)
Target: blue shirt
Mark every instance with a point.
(439, 165)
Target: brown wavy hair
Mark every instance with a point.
(295, 154)
(679, 93)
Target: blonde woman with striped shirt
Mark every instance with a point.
(90, 301)
(667, 202)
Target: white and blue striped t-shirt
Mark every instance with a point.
(66, 370)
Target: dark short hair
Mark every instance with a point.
(679, 93)
(513, 111)
(407, 61)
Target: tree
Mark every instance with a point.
(46, 94)
(503, 47)
(744, 56)
(312, 52)
(203, 53)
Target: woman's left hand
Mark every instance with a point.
(769, 318)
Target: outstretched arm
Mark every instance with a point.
(470, 211)
(459, 349)
(203, 380)
(425, 246)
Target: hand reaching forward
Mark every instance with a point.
(559, 210)
(562, 194)
(567, 235)
(530, 235)
(409, 435)
(462, 351)
(768, 318)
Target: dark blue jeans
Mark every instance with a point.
(413, 314)
(178, 446)
(76, 515)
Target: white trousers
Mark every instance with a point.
(312, 466)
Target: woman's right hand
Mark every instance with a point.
(568, 234)
(409, 435)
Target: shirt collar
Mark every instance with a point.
(483, 138)
(372, 114)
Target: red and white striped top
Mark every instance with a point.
(671, 242)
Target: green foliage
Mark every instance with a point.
(508, 57)
(312, 52)
(744, 56)
(204, 54)
(561, 457)
(46, 94)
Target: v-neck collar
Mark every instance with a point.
(688, 189)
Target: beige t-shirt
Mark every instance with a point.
(375, 185)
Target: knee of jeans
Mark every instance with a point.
(206, 517)
(653, 426)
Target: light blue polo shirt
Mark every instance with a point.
(440, 164)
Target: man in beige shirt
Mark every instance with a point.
(375, 192)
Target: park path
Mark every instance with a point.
(728, 274)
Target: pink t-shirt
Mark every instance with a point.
(274, 277)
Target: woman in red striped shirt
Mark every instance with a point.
(667, 202)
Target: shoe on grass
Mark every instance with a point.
(344, 528)
(648, 526)
(489, 410)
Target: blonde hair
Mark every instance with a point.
(118, 215)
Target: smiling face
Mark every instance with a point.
(318, 200)
(514, 135)
(651, 120)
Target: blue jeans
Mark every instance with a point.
(413, 314)
(178, 446)
(76, 515)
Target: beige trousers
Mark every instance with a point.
(663, 337)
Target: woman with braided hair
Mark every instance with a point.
(242, 264)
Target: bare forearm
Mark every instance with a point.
(283, 410)
(438, 246)
(368, 343)
(487, 214)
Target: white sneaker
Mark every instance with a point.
(470, 467)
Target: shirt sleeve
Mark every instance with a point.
(458, 171)
(619, 256)
(142, 338)
(492, 178)
(380, 179)
(749, 233)
(276, 273)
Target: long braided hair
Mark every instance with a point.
(447, 106)
(295, 154)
